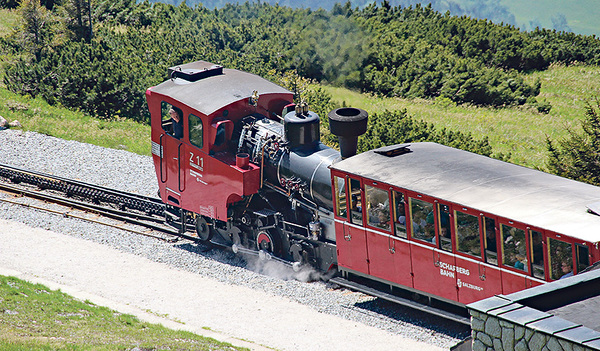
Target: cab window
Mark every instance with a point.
(168, 123)
(561, 258)
(196, 130)
(514, 253)
(467, 234)
(399, 214)
(423, 227)
(339, 184)
(378, 207)
(356, 202)
(220, 136)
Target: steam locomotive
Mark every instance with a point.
(250, 172)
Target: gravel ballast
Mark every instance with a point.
(134, 173)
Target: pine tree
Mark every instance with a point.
(578, 157)
(35, 34)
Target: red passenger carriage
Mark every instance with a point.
(459, 225)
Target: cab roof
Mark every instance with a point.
(474, 181)
(208, 93)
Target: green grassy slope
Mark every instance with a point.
(33, 317)
(8, 20)
(519, 131)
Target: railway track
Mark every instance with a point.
(78, 200)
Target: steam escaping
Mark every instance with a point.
(268, 265)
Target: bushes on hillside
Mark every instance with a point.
(398, 127)
(393, 51)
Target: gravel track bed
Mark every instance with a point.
(134, 173)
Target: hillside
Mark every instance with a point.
(475, 83)
(580, 17)
(520, 132)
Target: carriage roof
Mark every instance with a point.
(514, 192)
(215, 91)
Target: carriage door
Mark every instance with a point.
(432, 259)
(381, 245)
(476, 279)
(536, 252)
(171, 159)
(351, 237)
(515, 258)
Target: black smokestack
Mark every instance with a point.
(348, 123)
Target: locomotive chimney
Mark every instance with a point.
(348, 123)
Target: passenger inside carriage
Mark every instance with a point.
(514, 247)
(566, 269)
(378, 213)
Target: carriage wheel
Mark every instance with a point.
(203, 229)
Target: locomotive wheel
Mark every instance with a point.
(203, 230)
(268, 242)
(264, 241)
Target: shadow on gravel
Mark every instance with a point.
(387, 310)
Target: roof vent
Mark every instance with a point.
(193, 75)
(594, 208)
(393, 150)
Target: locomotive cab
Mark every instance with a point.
(198, 171)
(245, 161)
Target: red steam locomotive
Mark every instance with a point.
(233, 152)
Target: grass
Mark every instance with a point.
(8, 21)
(33, 317)
(37, 115)
(519, 131)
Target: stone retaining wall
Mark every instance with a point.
(499, 324)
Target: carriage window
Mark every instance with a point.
(422, 220)
(561, 258)
(399, 214)
(356, 202)
(537, 254)
(340, 195)
(491, 253)
(378, 207)
(444, 227)
(583, 257)
(467, 234)
(195, 127)
(514, 252)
